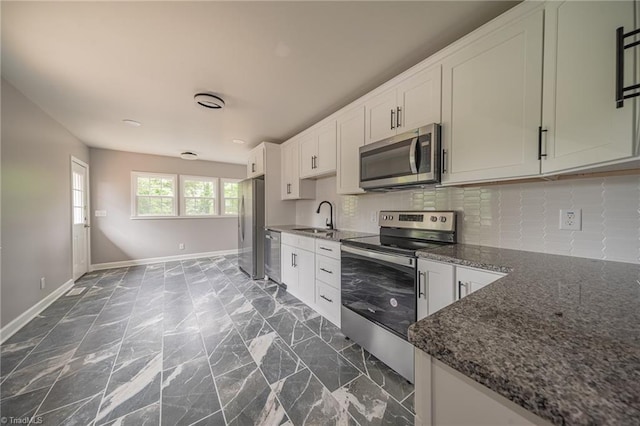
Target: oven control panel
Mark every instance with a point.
(419, 219)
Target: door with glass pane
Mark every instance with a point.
(79, 217)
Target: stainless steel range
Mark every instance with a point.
(379, 282)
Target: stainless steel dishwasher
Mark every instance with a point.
(272, 268)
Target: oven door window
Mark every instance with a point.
(380, 291)
(386, 162)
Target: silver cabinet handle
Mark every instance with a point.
(460, 285)
(444, 161)
(421, 278)
(325, 249)
(253, 167)
(398, 121)
(393, 124)
(326, 270)
(295, 258)
(326, 298)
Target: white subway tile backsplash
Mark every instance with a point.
(516, 216)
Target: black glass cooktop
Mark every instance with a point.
(404, 246)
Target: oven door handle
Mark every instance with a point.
(397, 260)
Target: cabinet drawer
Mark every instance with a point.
(328, 302)
(294, 240)
(328, 248)
(328, 271)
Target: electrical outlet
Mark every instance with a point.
(43, 283)
(571, 219)
(374, 217)
(181, 246)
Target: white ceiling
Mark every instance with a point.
(280, 66)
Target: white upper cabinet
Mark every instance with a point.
(419, 99)
(292, 188)
(350, 139)
(583, 126)
(380, 116)
(491, 103)
(255, 163)
(412, 103)
(318, 151)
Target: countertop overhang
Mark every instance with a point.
(558, 335)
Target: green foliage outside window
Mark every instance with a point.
(230, 191)
(155, 196)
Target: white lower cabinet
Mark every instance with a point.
(328, 302)
(470, 280)
(311, 271)
(445, 396)
(440, 284)
(436, 287)
(298, 268)
(328, 280)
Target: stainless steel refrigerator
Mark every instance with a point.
(251, 227)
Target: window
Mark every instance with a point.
(229, 197)
(157, 195)
(199, 196)
(154, 194)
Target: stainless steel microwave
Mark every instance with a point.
(405, 160)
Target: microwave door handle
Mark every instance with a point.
(413, 155)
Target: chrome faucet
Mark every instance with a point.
(329, 221)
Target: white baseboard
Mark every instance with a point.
(125, 263)
(15, 325)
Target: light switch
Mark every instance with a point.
(101, 213)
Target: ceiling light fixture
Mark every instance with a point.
(238, 141)
(207, 100)
(132, 123)
(188, 155)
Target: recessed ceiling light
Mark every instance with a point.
(188, 155)
(207, 100)
(238, 141)
(132, 123)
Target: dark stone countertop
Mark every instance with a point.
(336, 235)
(558, 335)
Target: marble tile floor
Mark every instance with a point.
(192, 343)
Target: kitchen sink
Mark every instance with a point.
(316, 230)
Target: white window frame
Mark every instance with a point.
(222, 198)
(216, 199)
(134, 194)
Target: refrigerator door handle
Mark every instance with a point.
(242, 218)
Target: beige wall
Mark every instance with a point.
(36, 202)
(117, 237)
